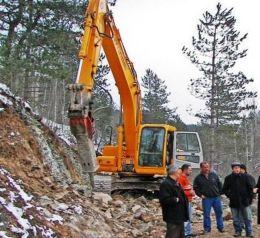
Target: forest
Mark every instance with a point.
(39, 42)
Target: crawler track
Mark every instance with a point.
(109, 183)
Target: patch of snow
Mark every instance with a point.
(18, 213)
(55, 217)
(18, 99)
(13, 184)
(27, 106)
(6, 101)
(12, 196)
(2, 201)
(12, 134)
(77, 209)
(17, 230)
(47, 233)
(61, 131)
(24, 228)
(39, 209)
(61, 207)
(2, 189)
(5, 89)
(28, 206)
(3, 235)
(23, 194)
(34, 231)
(2, 109)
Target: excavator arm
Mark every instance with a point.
(100, 31)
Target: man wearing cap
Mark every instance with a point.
(208, 187)
(239, 189)
(243, 170)
(174, 204)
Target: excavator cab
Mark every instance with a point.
(162, 145)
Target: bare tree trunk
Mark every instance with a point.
(246, 143)
(235, 146)
(55, 100)
(213, 97)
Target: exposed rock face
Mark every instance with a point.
(33, 146)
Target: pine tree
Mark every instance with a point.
(38, 51)
(156, 99)
(216, 50)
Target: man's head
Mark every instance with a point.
(236, 167)
(186, 169)
(243, 169)
(174, 172)
(204, 167)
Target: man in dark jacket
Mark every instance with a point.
(239, 189)
(208, 186)
(257, 190)
(174, 204)
(243, 170)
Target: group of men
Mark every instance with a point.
(177, 192)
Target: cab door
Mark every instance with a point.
(151, 150)
(187, 149)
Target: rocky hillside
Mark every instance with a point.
(42, 189)
(43, 192)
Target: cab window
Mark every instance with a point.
(151, 147)
(187, 142)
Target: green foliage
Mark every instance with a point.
(216, 49)
(38, 50)
(156, 99)
(104, 107)
(39, 41)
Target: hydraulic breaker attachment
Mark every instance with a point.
(82, 127)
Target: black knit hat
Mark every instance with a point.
(243, 166)
(235, 164)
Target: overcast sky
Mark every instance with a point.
(154, 31)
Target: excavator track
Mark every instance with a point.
(110, 183)
(102, 183)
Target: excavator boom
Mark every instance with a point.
(100, 31)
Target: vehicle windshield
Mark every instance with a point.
(151, 147)
(187, 142)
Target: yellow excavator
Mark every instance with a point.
(143, 151)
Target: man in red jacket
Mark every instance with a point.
(189, 193)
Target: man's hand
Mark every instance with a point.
(203, 197)
(255, 190)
